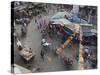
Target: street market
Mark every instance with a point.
(53, 37)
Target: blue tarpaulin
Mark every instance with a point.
(88, 34)
(75, 17)
(68, 31)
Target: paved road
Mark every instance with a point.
(33, 40)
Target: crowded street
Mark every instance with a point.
(45, 43)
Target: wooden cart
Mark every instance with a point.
(24, 53)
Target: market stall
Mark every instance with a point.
(24, 53)
(66, 28)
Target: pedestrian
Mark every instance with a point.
(36, 20)
(86, 51)
(44, 23)
(43, 41)
(38, 27)
(19, 45)
(40, 22)
(30, 50)
(25, 25)
(42, 54)
(23, 30)
(49, 32)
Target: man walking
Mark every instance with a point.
(42, 54)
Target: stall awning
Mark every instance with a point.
(67, 24)
(62, 22)
(87, 34)
(59, 15)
